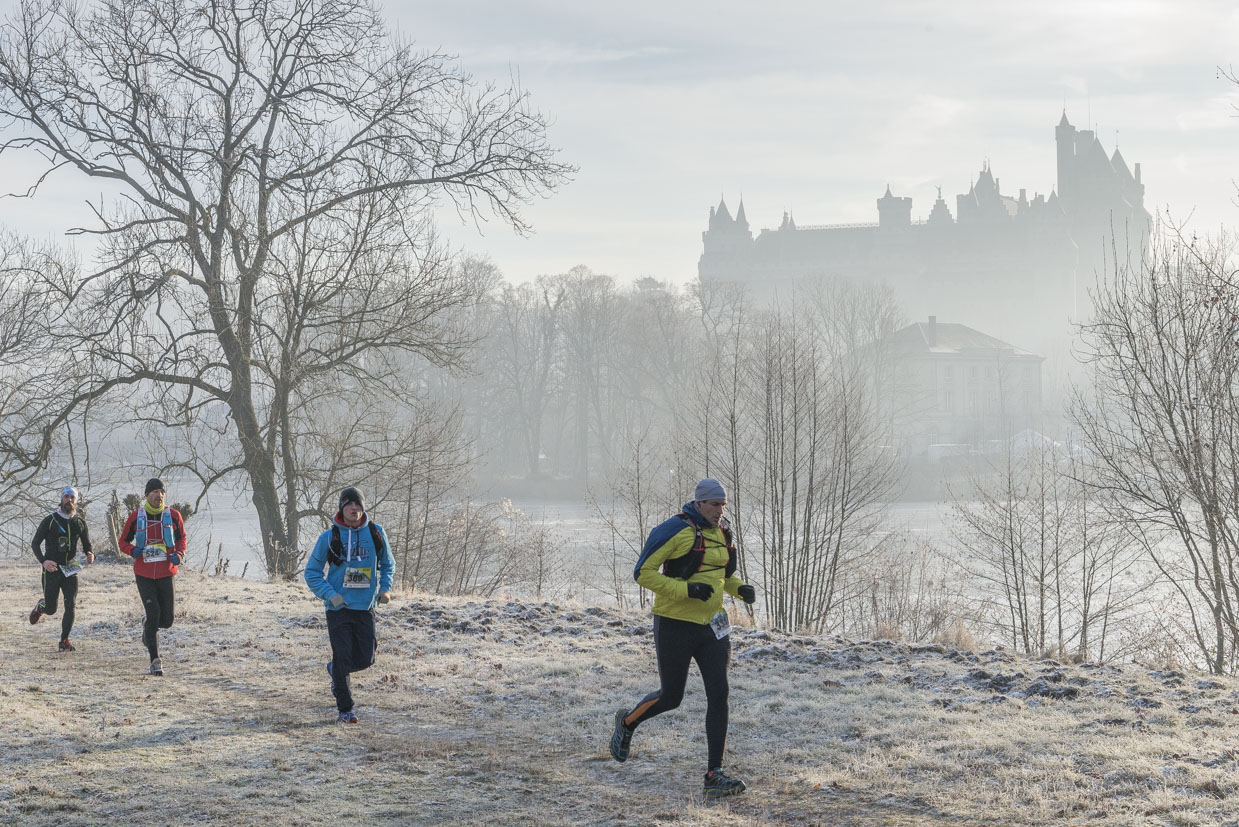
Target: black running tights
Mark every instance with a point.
(158, 599)
(677, 642)
(54, 584)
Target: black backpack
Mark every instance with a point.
(335, 548)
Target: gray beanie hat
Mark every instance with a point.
(709, 489)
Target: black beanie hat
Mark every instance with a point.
(351, 495)
(153, 484)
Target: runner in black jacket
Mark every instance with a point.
(55, 547)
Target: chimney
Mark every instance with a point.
(932, 332)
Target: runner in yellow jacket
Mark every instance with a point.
(689, 561)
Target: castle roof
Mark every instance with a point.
(949, 338)
(1120, 167)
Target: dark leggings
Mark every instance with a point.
(54, 583)
(159, 600)
(677, 642)
(353, 644)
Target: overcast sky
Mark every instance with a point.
(814, 107)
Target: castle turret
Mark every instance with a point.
(725, 234)
(894, 213)
(1065, 136)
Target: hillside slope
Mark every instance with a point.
(498, 712)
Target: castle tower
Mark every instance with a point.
(1065, 137)
(894, 213)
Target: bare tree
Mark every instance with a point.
(818, 435)
(269, 250)
(1039, 548)
(524, 353)
(1162, 427)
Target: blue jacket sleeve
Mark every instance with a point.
(315, 565)
(387, 564)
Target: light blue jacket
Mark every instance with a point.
(361, 559)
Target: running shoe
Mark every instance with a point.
(349, 717)
(66, 646)
(621, 738)
(718, 783)
(37, 612)
(156, 667)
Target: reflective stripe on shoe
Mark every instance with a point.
(621, 738)
(719, 783)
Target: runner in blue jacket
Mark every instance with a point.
(359, 566)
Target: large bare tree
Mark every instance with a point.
(1162, 425)
(265, 255)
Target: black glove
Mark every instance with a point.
(700, 591)
(747, 593)
(383, 597)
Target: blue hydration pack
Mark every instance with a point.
(139, 529)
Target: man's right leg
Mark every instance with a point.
(673, 645)
(50, 580)
(148, 590)
(68, 585)
(340, 633)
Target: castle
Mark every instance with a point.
(1021, 267)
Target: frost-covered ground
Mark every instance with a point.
(498, 712)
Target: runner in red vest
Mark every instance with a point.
(154, 535)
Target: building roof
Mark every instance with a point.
(949, 338)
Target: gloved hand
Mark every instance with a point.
(174, 558)
(336, 600)
(700, 591)
(747, 593)
(384, 597)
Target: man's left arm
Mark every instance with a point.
(387, 564)
(84, 533)
(178, 533)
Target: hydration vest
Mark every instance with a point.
(139, 529)
(689, 563)
(335, 547)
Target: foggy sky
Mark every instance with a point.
(811, 107)
(814, 107)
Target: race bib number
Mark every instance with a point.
(70, 569)
(357, 578)
(721, 624)
(154, 554)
